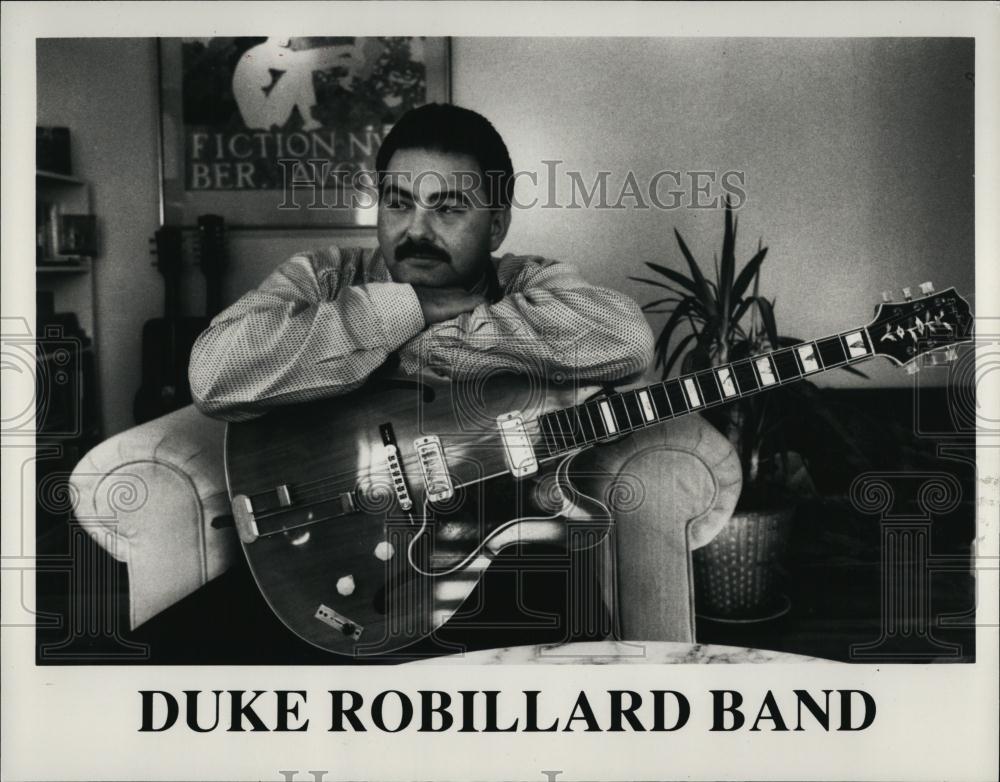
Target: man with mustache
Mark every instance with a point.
(430, 298)
(326, 319)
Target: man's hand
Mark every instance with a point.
(440, 304)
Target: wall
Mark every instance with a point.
(857, 154)
(858, 157)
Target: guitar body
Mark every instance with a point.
(338, 558)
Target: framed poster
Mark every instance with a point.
(283, 132)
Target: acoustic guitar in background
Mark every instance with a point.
(167, 341)
(367, 519)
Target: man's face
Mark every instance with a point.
(433, 227)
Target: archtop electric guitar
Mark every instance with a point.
(367, 519)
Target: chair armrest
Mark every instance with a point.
(148, 496)
(671, 489)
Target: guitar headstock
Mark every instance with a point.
(211, 244)
(167, 246)
(905, 330)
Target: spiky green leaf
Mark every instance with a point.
(766, 310)
(676, 277)
(659, 301)
(747, 274)
(658, 284)
(728, 266)
(700, 285)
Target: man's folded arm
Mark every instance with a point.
(549, 320)
(298, 338)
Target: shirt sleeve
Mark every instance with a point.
(301, 335)
(549, 321)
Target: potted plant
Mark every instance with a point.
(727, 319)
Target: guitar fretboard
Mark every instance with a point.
(611, 416)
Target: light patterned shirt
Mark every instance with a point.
(326, 320)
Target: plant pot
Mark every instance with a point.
(737, 575)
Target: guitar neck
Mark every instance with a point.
(213, 295)
(597, 420)
(212, 256)
(169, 251)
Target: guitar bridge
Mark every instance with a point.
(391, 452)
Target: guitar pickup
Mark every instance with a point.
(437, 481)
(517, 448)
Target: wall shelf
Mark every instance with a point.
(54, 178)
(80, 267)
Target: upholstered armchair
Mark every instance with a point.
(154, 497)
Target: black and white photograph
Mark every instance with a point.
(386, 383)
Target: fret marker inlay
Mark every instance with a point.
(807, 355)
(609, 419)
(647, 406)
(766, 371)
(692, 392)
(726, 381)
(855, 344)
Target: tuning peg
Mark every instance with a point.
(907, 294)
(912, 369)
(926, 287)
(951, 355)
(886, 297)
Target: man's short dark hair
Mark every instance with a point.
(444, 127)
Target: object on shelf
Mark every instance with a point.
(52, 150)
(43, 236)
(77, 235)
(47, 232)
(63, 240)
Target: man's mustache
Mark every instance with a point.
(411, 249)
